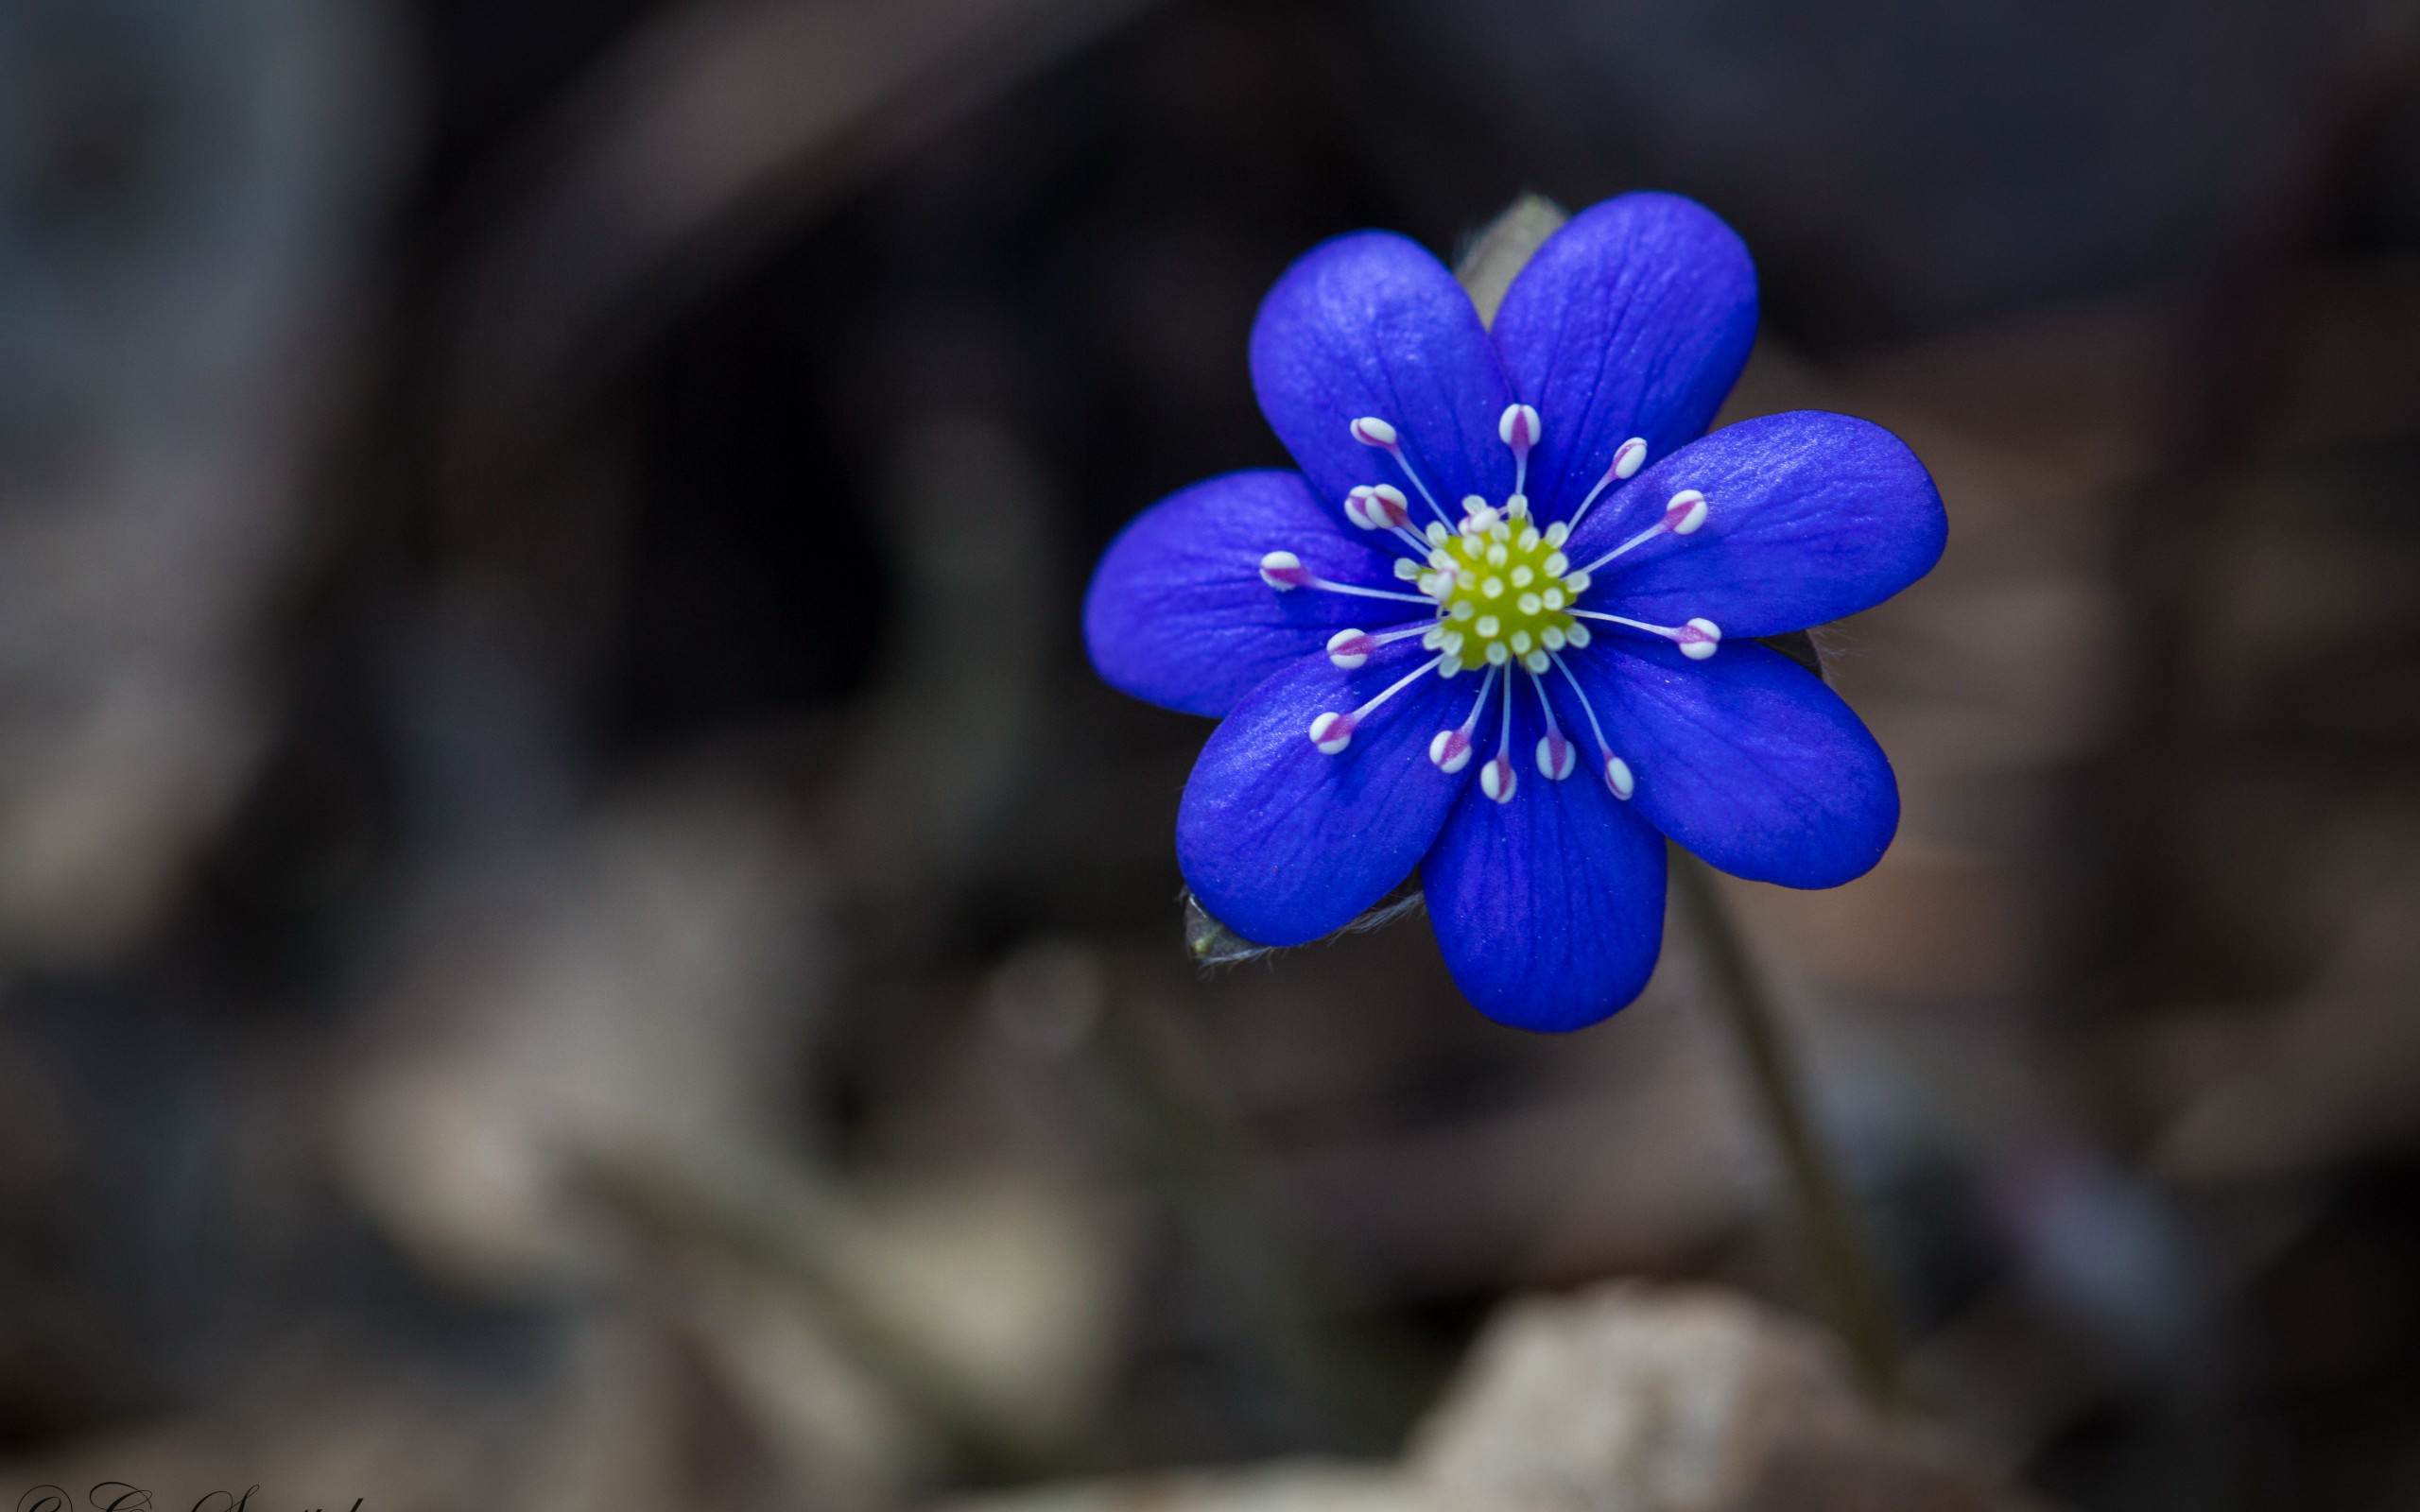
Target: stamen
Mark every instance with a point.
(1331, 732)
(1497, 779)
(1350, 649)
(1556, 755)
(1697, 638)
(1683, 516)
(1627, 460)
(1451, 749)
(1285, 572)
(1617, 773)
(1519, 428)
(1372, 431)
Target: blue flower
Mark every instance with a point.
(1501, 626)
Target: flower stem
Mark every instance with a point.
(1838, 1249)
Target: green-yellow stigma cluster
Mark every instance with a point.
(1503, 590)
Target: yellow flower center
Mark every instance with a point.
(1502, 588)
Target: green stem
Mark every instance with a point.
(1837, 1251)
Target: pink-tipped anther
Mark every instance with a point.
(1518, 427)
(1356, 508)
(1619, 778)
(1451, 749)
(1698, 639)
(1497, 780)
(1556, 756)
(1372, 431)
(1350, 649)
(1332, 733)
(1628, 459)
(1387, 508)
(1685, 513)
(1282, 570)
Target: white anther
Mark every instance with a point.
(1500, 532)
(1698, 639)
(1523, 577)
(1497, 780)
(1619, 778)
(1437, 533)
(1372, 431)
(1449, 669)
(1497, 655)
(1528, 602)
(1350, 648)
(1450, 750)
(1685, 513)
(1463, 610)
(1630, 457)
(1521, 643)
(1493, 588)
(1433, 638)
(1579, 636)
(1554, 598)
(1537, 660)
(1497, 554)
(1555, 564)
(1551, 637)
(1332, 733)
(1282, 570)
(1576, 584)
(1452, 642)
(1557, 534)
(1518, 427)
(1487, 627)
(1474, 504)
(1407, 569)
(1529, 541)
(1556, 757)
(1516, 505)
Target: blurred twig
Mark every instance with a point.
(721, 126)
(1364, 1383)
(779, 1224)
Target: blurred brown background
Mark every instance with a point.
(575, 931)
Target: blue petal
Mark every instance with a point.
(1746, 759)
(1285, 844)
(1635, 319)
(1177, 613)
(1371, 324)
(1549, 908)
(1810, 516)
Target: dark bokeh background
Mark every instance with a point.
(574, 928)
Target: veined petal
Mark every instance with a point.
(1810, 516)
(1633, 319)
(1286, 844)
(1369, 324)
(1177, 613)
(1549, 909)
(1746, 759)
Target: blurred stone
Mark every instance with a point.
(1632, 1399)
(1624, 1397)
(1287, 1486)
